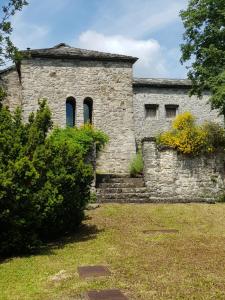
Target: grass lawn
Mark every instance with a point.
(189, 264)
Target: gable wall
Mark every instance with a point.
(109, 84)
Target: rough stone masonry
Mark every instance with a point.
(125, 108)
(174, 177)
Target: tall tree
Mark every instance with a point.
(7, 50)
(204, 48)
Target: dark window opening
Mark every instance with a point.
(171, 111)
(88, 110)
(151, 111)
(70, 111)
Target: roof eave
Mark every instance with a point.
(183, 86)
(162, 83)
(30, 55)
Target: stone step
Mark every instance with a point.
(128, 200)
(130, 196)
(121, 184)
(152, 199)
(114, 190)
(121, 189)
(131, 180)
(106, 177)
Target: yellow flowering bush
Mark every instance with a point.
(189, 138)
(183, 121)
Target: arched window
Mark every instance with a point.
(88, 109)
(70, 111)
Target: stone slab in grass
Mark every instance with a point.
(159, 231)
(106, 295)
(93, 271)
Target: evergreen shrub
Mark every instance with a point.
(45, 178)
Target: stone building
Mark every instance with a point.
(83, 85)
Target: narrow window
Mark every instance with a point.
(88, 109)
(70, 111)
(151, 111)
(171, 110)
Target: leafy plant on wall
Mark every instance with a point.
(189, 138)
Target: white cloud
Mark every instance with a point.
(151, 61)
(27, 34)
(137, 18)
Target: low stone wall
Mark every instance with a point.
(174, 177)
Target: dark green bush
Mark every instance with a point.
(44, 178)
(215, 135)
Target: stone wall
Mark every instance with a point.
(9, 80)
(148, 127)
(175, 177)
(109, 84)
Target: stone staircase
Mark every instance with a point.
(121, 189)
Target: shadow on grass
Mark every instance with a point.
(83, 233)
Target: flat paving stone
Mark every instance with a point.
(160, 231)
(106, 295)
(93, 271)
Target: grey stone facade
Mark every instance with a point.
(109, 84)
(127, 109)
(175, 177)
(10, 81)
(61, 72)
(163, 94)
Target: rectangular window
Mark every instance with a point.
(151, 111)
(171, 110)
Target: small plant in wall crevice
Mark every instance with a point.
(136, 165)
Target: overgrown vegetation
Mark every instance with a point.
(44, 178)
(137, 165)
(189, 138)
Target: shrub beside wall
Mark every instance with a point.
(187, 162)
(137, 165)
(44, 179)
(189, 138)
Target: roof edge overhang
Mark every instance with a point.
(162, 83)
(79, 57)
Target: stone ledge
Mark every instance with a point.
(162, 82)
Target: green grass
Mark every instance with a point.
(185, 265)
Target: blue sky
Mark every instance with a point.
(149, 29)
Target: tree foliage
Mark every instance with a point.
(204, 47)
(7, 50)
(45, 178)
